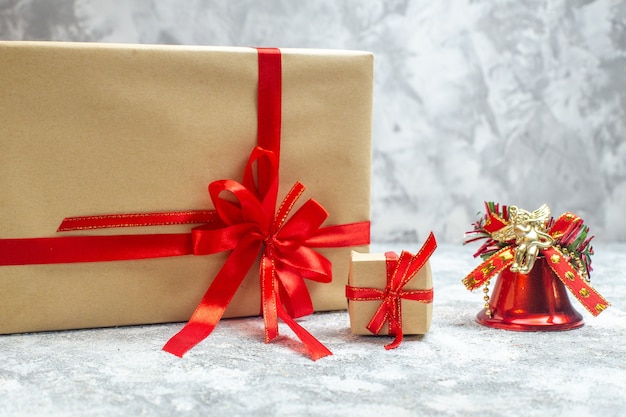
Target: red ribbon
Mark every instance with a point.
(558, 262)
(247, 226)
(250, 227)
(399, 272)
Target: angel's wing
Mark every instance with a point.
(505, 234)
(541, 214)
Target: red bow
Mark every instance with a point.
(253, 223)
(250, 227)
(399, 272)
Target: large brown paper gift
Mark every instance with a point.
(368, 270)
(88, 129)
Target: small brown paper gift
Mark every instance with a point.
(385, 289)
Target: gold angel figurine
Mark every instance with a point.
(529, 232)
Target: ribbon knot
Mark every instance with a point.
(399, 272)
(391, 294)
(268, 244)
(269, 241)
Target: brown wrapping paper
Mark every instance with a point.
(368, 270)
(91, 129)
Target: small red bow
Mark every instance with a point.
(399, 272)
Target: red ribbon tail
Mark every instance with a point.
(215, 300)
(188, 337)
(380, 317)
(294, 294)
(396, 329)
(316, 349)
(274, 309)
(584, 293)
(269, 298)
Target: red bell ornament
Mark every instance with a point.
(537, 260)
(536, 301)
